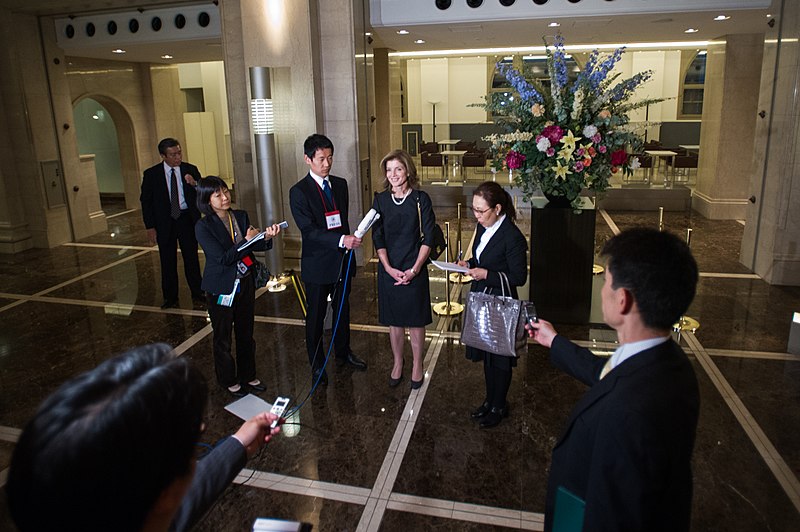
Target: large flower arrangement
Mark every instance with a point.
(566, 137)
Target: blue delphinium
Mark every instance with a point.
(523, 88)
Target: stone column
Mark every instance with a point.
(770, 244)
(730, 98)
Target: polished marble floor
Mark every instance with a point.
(362, 456)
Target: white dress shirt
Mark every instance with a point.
(319, 180)
(179, 178)
(486, 236)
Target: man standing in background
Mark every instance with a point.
(170, 211)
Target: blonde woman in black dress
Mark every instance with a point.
(403, 290)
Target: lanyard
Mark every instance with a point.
(321, 197)
(230, 222)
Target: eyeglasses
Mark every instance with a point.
(478, 211)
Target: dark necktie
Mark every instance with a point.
(328, 193)
(175, 204)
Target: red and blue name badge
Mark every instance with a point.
(244, 264)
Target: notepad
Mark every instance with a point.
(568, 513)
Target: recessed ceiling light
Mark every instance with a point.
(419, 41)
(721, 17)
(368, 34)
(691, 30)
(402, 32)
(553, 25)
(769, 15)
(118, 51)
(166, 56)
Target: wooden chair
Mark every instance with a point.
(475, 161)
(428, 160)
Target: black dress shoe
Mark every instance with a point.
(169, 303)
(321, 376)
(353, 361)
(481, 411)
(255, 388)
(394, 382)
(416, 385)
(494, 417)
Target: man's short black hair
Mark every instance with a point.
(658, 269)
(102, 448)
(316, 142)
(167, 143)
(205, 189)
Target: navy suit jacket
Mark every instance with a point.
(321, 257)
(156, 203)
(213, 474)
(627, 447)
(221, 254)
(506, 252)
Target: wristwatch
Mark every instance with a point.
(413, 271)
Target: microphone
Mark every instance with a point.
(370, 218)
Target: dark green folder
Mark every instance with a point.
(568, 513)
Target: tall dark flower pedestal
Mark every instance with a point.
(562, 255)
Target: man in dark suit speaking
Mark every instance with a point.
(169, 209)
(627, 447)
(319, 205)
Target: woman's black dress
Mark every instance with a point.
(398, 231)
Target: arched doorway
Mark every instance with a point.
(104, 128)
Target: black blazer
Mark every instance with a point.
(156, 204)
(321, 257)
(627, 446)
(221, 255)
(505, 252)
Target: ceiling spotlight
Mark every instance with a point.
(419, 41)
(507, 3)
(474, 3)
(402, 32)
(368, 34)
(691, 30)
(443, 4)
(721, 17)
(553, 25)
(118, 51)
(166, 56)
(540, 2)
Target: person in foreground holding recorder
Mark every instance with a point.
(499, 247)
(229, 282)
(114, 449)
(626, 449)
(403, 289)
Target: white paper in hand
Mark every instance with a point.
(449, 266)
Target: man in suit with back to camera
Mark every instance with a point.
(116, 449)
(319, 205)
(627, 446)
(169, 209)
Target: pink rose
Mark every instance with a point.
(553, 133)
(514, 160)
(602, 149)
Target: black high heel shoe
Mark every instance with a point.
(494, 417)
(481, 411)
(394, 382)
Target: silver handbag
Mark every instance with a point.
(495, 323)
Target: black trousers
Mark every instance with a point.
(317, 299)
(237, 319)
(498, 381)
(181, 231)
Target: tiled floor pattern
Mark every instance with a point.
(362, 456)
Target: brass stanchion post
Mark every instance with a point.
(661, 219)
(685, 323)
(447, 308)
(458, 277)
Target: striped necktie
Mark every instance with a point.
(328, 193)
(175, 204)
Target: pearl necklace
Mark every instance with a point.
(402, 200)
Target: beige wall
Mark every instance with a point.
(733, 68)
(771, 241)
